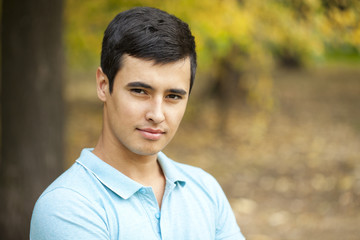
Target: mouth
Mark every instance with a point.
(150, 133)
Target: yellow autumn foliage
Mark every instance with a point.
(253, 34)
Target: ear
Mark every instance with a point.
(102, 84)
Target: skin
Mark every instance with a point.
(141, 116)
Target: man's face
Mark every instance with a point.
(146, 106)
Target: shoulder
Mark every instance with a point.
(76, 180)
(194, 177)
(66, 204)
(195, 174)
(71, 193)
(203, 191)
(74, 187)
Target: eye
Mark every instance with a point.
(137, 91)
(174, 96)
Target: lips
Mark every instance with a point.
(150, 133)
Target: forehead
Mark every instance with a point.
(173, 73)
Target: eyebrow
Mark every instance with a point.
(139, 84)
(147, 86)
(178, 91)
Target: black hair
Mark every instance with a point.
(146, 33)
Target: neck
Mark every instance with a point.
(143, 169)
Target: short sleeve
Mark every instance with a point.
(226, 225)
(64, 214)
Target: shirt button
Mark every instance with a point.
(142, 191)
(157, 215)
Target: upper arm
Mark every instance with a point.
(63, 214)
(226, 225)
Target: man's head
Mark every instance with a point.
(149, 34)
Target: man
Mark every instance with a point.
(126, 188)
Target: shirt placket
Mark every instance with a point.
(151, 207)
(164, 219)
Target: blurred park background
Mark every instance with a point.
(274, 113)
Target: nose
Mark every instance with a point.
(155, 112)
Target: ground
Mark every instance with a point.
(292, 173)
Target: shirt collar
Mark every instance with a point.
(171, 172)
(119, 183)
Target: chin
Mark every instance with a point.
(147, 152)
(147, 148)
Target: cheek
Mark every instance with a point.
(122, 117)
(128, 110)
(175, 115)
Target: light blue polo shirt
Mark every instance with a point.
(94, 201)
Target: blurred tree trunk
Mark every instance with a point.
(31, 108)
(228, 88)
